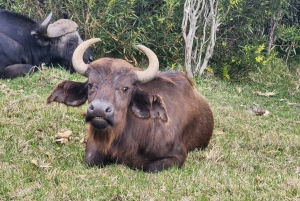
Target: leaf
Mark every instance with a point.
(35, 162)
(62, 140)
(239, 89)
(64, 134)
(45, 165)
(267, 94)
(83, 140)
(294, 104)
(257, 110)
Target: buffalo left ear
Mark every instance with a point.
(69, 93)
(40, 39)
(145, 105)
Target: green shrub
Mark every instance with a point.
(245, 26)
(248, 25)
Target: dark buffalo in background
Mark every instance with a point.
(147, 120)
(26, 43)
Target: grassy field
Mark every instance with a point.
(250, 157)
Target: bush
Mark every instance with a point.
(245, 26)
(250, 25)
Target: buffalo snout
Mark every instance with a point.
(88, 56)
(100, 114)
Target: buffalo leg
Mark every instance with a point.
(164, 163)
(16, 70)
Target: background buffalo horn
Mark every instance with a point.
(45, 24)
(77, 59)
(148, 74)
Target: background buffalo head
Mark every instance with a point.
(62, 38)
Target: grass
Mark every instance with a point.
(249, 158)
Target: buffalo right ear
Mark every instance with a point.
(145, 105)
(69, 93)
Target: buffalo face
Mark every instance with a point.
(109, 93)
(65, 45)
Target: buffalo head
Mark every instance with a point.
(26, 43)
(61, 38)
(110, 89)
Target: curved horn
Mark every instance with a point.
(77, 59)
(45, 24)
(148, 74)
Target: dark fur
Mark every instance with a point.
(22, 46)
(155, 124)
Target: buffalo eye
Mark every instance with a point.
(125, 89)
(73, 42)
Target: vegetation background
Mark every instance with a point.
(250, 157)
(252, 32)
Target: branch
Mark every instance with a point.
(197, 13)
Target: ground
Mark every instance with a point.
(250, 157)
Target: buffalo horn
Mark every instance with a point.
(143, 76)
(45, 24)
(148, 74)
(77, 59)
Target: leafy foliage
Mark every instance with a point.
(248, 25)
(157, 24)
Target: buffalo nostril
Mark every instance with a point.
(109, 109)
(91, 107)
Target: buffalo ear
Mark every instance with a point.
(145, 105)
(41, 39)
(69, 93)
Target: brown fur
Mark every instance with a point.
(154, 125)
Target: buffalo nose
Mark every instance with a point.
(99, 108)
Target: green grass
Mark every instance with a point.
(249, 158)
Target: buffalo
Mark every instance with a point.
(26, 43)
(146, 120)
